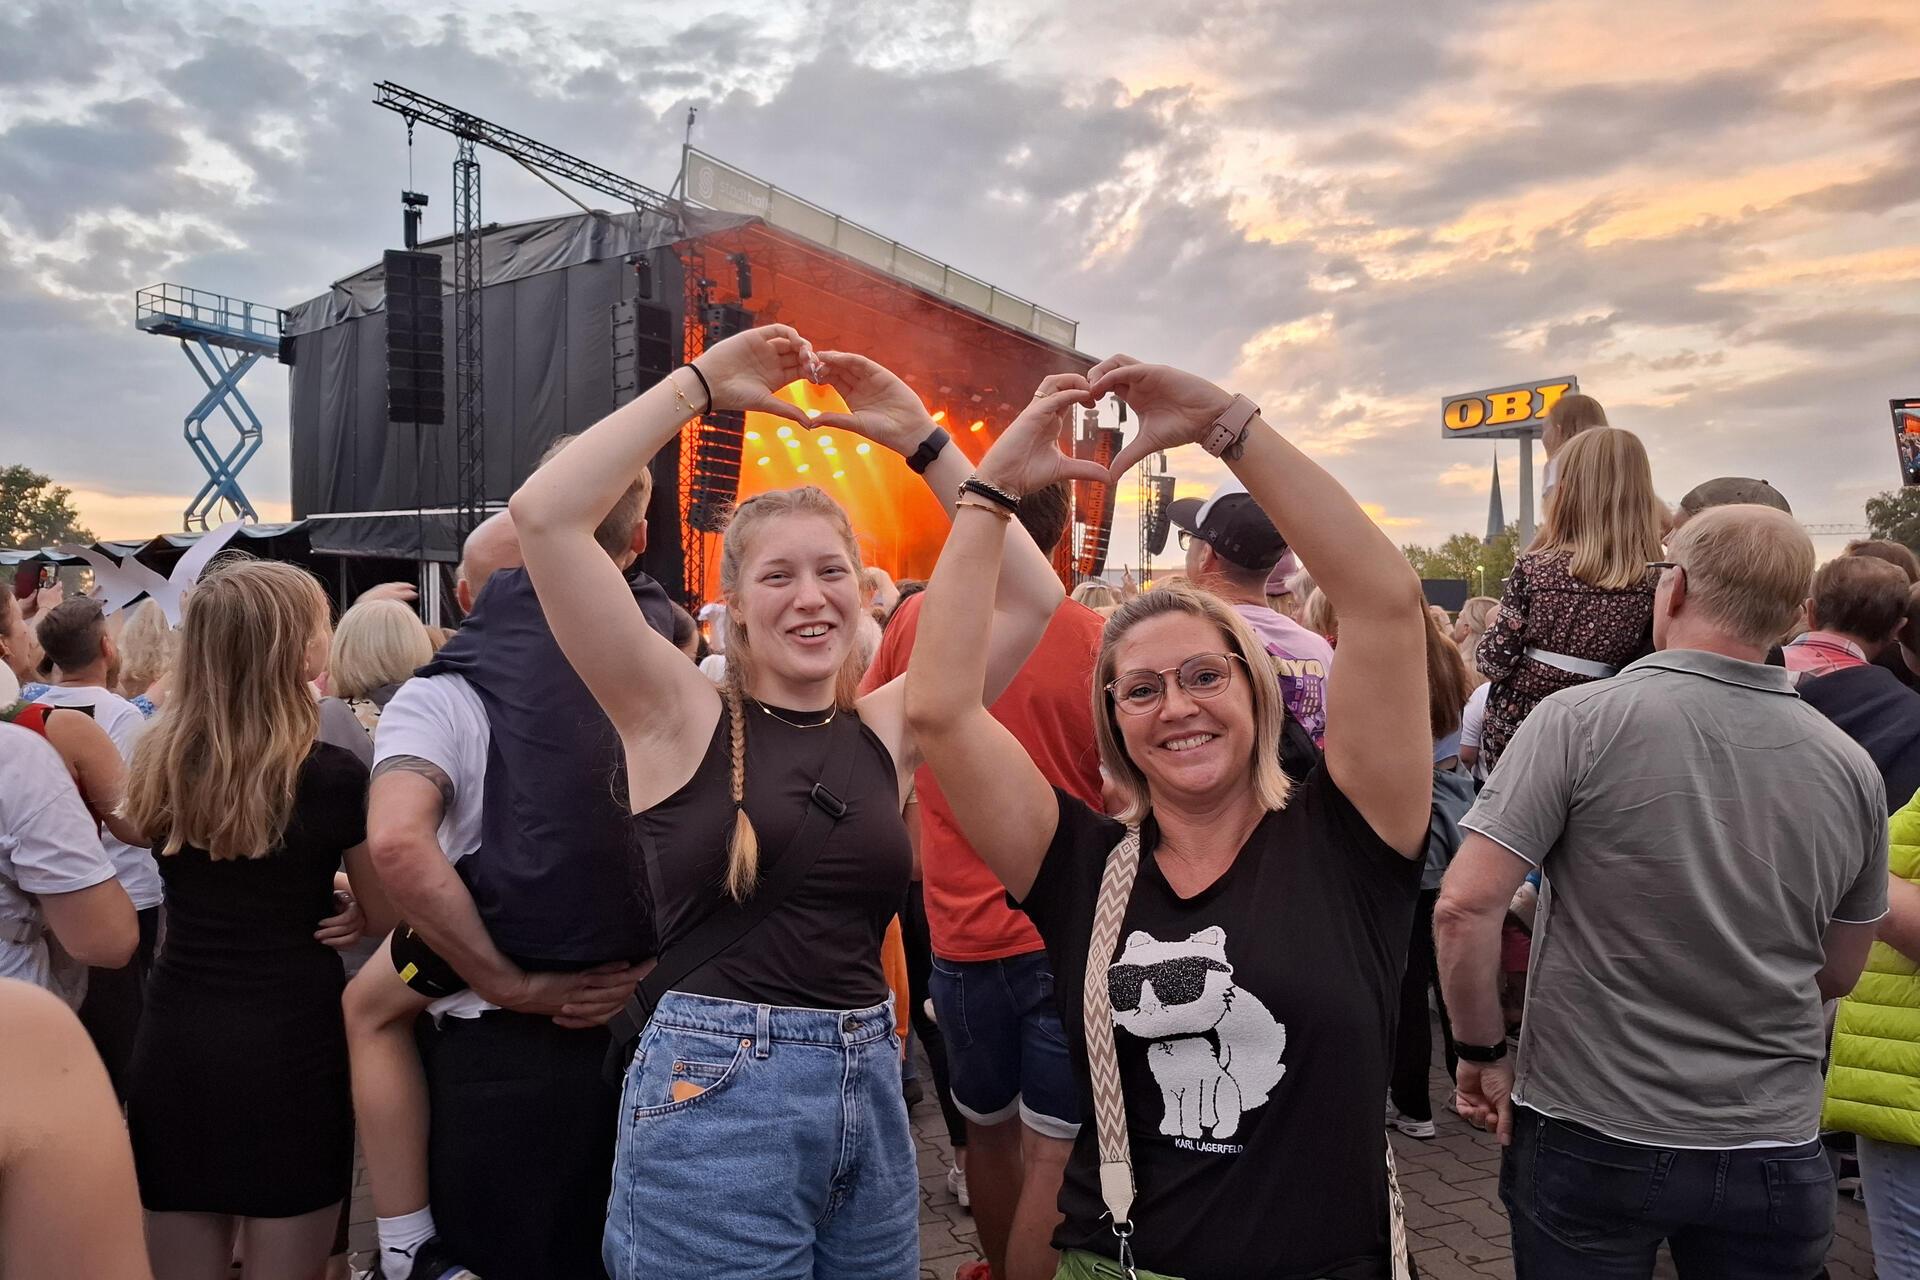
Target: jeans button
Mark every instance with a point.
(850, 1025)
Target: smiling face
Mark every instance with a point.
(798, 602)
(1188, 748)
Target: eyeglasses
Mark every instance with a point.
(1204, 675)
(1661, 566)
(1185, 538)
(1180, 981)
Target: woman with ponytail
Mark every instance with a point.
(762, 1126)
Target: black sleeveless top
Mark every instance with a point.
(819, 949)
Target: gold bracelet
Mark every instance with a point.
(982, 504)
(686, 403)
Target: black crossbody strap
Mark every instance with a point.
(725, 928)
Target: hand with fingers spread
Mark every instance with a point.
(1174, 407)
(880, 407)
(745, 370)
(1027, 456)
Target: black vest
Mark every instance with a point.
(556, 878)
(1874, 709)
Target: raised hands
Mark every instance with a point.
(1174, 407)
(745, 370)
(1027, 455)
(880, 406)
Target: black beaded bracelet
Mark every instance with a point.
(998, 497)
(690, 367)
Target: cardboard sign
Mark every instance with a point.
(1518, 412)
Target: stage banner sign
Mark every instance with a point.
(1906, 437)
(1517, 412)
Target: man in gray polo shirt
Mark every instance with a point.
(1715, 857)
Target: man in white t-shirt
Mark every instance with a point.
(54, 876)
(1231, 549)
(76, 640)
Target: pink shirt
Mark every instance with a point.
(1822, 653)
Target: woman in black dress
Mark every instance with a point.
(238, 1101)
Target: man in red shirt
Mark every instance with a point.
(991, 984)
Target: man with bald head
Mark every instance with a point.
(497, 833)
(1715, 859)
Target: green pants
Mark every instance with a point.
(1076, 1264)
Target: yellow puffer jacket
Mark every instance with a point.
(1873, 1088)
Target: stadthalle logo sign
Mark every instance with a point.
(1504, 413)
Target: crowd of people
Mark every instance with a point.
(601, 923)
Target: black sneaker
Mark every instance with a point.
(431, 1261)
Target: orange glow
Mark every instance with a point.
(978, 425)
(939, 415)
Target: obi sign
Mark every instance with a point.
(1518, 412)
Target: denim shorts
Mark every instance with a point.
(1006, 1048)
(759, 1141)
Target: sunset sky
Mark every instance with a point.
(1708, 212)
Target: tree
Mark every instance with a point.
(1895, 515)
(1484, 566)
(36, 512)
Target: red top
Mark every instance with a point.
(1049, 709)
(28, 715)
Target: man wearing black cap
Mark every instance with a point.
(1231, 547)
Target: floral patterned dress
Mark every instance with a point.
(1546, 607)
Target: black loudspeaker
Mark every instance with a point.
(715, 480)
(1155, 517)
(642, 348)
(416, 338)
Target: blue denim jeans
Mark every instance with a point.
(1583, 1204)
(763, 1143)
(1890, 1175)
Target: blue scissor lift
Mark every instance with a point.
(230, 336)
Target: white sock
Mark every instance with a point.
(399, 1237)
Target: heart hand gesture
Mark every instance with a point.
(1027, 455)
(745, 370)
(880, 406)
(1174, 407)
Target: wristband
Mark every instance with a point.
(929, 449)
(975, 502)
(1227, 437)
(998, 497)
(1480, 1052)
(690, 367)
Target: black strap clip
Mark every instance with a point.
(830, 804)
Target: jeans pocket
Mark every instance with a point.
(947, 986)
(1800, 1195)
(1587, 1187)
(683, 1069)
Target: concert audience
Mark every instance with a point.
(1579, 604)
(1690, 807)
(377, 646)
(1476, 615)
(147, 646)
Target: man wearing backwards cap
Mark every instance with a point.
(1729, 491)
(1231, 547)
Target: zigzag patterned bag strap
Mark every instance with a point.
(1109, 1106)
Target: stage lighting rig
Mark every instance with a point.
(411, 203)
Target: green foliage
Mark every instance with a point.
(36, 512)
(1896, 515)
(1464, 555)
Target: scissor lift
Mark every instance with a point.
(230, 336)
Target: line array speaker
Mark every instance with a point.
(416, 338)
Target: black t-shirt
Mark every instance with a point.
(1256, 1021)
(820, 948)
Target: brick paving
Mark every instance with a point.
(1457, 1226)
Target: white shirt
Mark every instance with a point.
(440, 719)
(1473, 721)
(714, 667)
(133, 866)
(49, 843)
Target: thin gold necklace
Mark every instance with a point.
(795, 723)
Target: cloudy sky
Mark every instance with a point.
(1708, 212)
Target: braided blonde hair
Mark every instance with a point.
(749, 518)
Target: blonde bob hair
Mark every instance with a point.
(1269, 710)
(219, 766)
(147, 646)
(750, 519)
(378, 642)
(1604, 511)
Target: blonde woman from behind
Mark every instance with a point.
(377, 647)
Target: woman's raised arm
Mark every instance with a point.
(646, 686)
(1379, 747)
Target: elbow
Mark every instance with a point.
(1453, 918)
(108, 946)
(1835, 985)
(399, 860)
(926, 706)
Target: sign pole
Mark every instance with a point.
(1526, 494)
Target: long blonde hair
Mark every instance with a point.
(749, 519)
(147, 646)
(218, 768)
(1269, 710)
(1603, 510)
(1478, 614)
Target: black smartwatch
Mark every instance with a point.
(1480, 1052)
(929, 450)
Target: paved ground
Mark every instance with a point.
(1454, 1216)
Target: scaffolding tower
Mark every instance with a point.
(229, 336)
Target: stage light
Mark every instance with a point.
(753, 435)
(793, 444)
(838, 475)
(785, 433)
(742, 275)
(831, 453)
(803, 468)
(863, 448)
(826, 441)
(978, 425)
(939, 415)
(761, 461)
